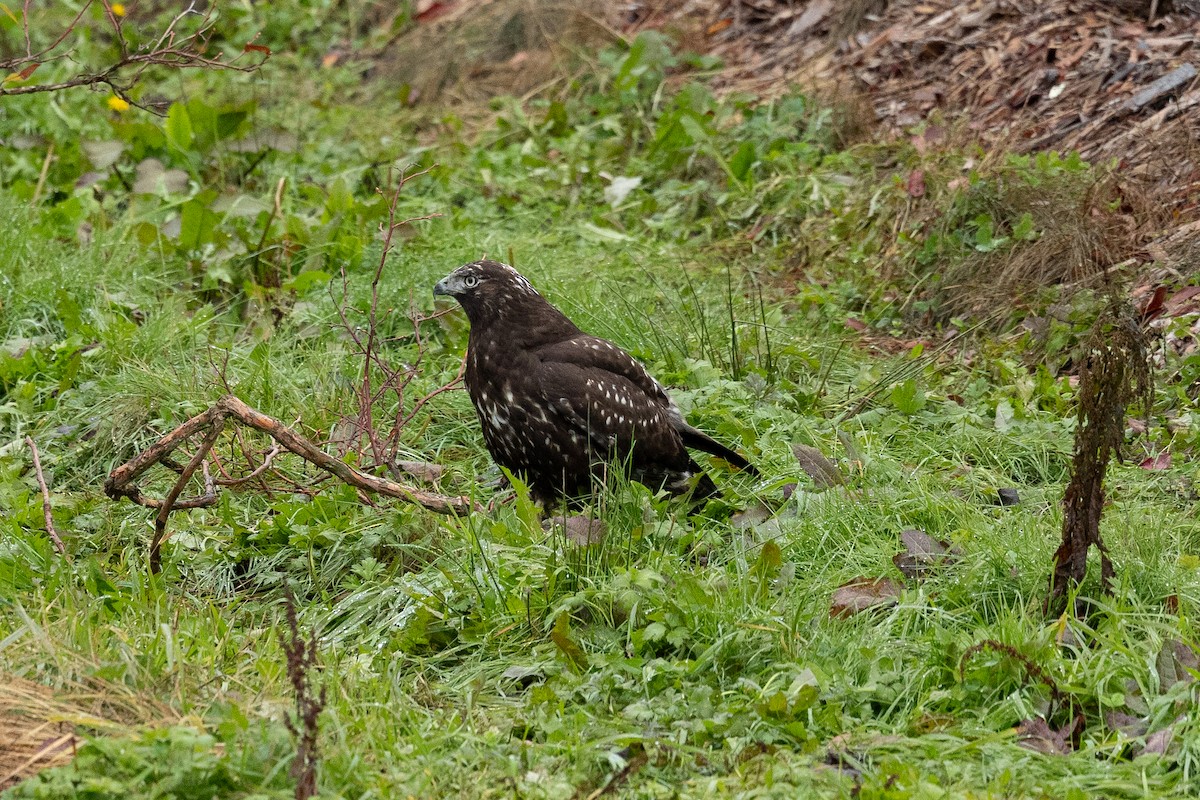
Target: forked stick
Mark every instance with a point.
(120, 481)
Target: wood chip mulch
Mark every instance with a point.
(1113, 79)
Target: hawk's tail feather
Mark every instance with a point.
(699, 440)
(704, 487)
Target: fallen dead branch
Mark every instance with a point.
(379, 379)
(212, 422)
(41, 479)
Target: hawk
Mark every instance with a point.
(557, 405)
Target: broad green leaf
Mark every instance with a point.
(179, 127)
(561, 636)
(742, 161)
(908, 397)
(196, 225)
(306, 280)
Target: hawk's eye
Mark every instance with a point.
(470, 281)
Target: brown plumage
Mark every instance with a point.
(557, 405)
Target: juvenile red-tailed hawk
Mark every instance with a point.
(558, 406)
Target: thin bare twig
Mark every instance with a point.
(367, 343)
(164, 511)
(41, 479)
(257, 471)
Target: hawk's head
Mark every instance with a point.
(489, 289)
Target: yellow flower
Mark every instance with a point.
(118, 103)
(118, 9)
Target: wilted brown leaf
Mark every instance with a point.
(422, 470)
(921, 554)
(1158, 742)
(23, 74)
(916, 183)
(863, 593)
(824, 472)
(1160, 461)
(1126, 724)
(718, 26)
(579, 530)
(1036, 734)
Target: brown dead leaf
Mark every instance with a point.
(718, 26)
(422, 470)
(824, 473)
(1158, 742)
(1037, 735)
(1154, 306)
(1185, 301)
(863, 593)
(1160, 461)
(916, 183)
(921, 554)
(429, 10)
(1126, 724)
(812, 16)
(23, 74)
(579, 530)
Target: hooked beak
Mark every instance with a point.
(445, 286)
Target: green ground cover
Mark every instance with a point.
(150, 268)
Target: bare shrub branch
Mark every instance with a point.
(378, 377)
(173, 48)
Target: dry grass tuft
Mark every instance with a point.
(1087, 233)
(852, 113)
(39, 728)
(492, 48)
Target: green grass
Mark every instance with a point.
(711, 667)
